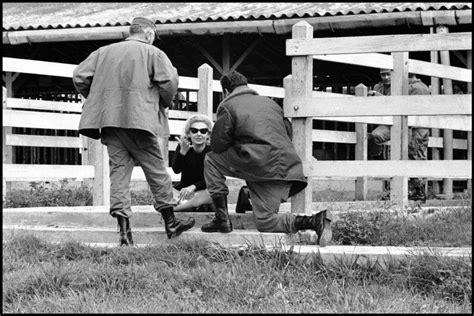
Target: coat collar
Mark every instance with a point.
(244, 89)
(136, 39)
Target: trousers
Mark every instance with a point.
(266, 196)
(126, 147)
(417, 146)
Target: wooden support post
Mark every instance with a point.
(435, 88)
(6, 157)
(447, 133)
(361, 148)
(302, 86)
(469, 134)
(205, 101)
(399, 130)
(226, 53)
(98, 157)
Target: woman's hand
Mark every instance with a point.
(184, 145)
(187, 192)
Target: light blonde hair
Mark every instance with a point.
(197, 118)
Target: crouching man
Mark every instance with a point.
(251, 140)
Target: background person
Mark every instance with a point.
(128, 86)
(419, 136)
(251, 141)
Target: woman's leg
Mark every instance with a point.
(199, 198)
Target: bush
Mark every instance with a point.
(40, 194)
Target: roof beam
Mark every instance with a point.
(277, 26)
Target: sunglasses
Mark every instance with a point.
(201, 130)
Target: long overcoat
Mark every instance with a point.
(251, 129)
(126, 84)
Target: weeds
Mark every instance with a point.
(196, 276)
(451, 228)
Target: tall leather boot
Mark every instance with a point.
(174, 227)
(128, 229)
(123, 223)
(319, 222)
(221, 222)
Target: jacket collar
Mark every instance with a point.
(136, 39)
(244, 89)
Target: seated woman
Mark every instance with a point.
(189, 161)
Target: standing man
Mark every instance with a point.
(251, 140)
(128, 86)
(419, 137)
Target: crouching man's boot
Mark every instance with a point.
(319, 222)
(125, 232)
(174, 227)
(221, 222)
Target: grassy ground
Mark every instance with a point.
(199, 277)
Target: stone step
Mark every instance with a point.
(147, 217)
(240, 239)
(152, 235)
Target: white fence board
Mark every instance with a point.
(377, 60)
(379, 43)
(30, 119)
(432, 105)
(44, 141)
(389, 168)
(29, 104)
(20, 172)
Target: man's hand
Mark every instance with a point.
(184, 145)
(372, 93)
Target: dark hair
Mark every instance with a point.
(232, 80)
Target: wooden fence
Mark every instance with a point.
(338, 107)
(431, 111)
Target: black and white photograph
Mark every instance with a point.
(237, 157)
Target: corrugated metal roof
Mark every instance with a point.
(30, 16)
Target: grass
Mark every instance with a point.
(195, 276)
(443, 228)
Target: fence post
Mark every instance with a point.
(434, 131)
(361, 148)
(205, 92)
(98, 157)
(6, 157)
(302, 86)
(469, 134)
(399, 130)
(447, 133)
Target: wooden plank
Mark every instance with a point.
(22, 172)
(459, 169)
(300, 84)
(377, 60)
(399, 130)
(328, 136)
(44, 105)
(361, 149)
(205, 93)
(37, 67)
(432, 105)
(44, 141)
(457, 122)
(447, 133)
(379, 43)
(30, 119)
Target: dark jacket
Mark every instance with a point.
(128, 85)
(191, 167)
(252, 129)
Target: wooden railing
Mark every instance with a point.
(397, 110)
(64, 115)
